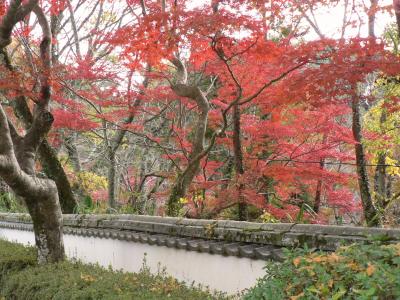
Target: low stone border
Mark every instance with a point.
(243, 239)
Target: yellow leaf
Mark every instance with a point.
(370, 269)
(396, 247)
(296, 261)
(318, 259)
(334, 258)
(330, 283)
(183, 200)
(296, 297)
(87, 278)
(353, 266)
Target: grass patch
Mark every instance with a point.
(21, 278)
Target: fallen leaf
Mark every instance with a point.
(296, 261)
(370, 269)
(296, 297)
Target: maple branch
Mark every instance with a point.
(243, 51)
(271, 82)
(45, 55)
(84, 21)
(14, 14)
(344, 22)
(313, 24)
(252, 97)
(6, 145)
(121, 134)
(220, 53)
(145, 176)
(396, 6)
(143, 5)
(42, 119)
(146, 137)
(155, 116)
(16, 138)
(182, 75)
(222, 130)
(47, 155)
(182, 89)
(74, 30)
(11, 169)
(209, 89)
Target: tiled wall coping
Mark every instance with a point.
(255, 240)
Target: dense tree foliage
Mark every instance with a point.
(206, 109)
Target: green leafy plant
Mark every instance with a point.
(370, 271)
(9, 203)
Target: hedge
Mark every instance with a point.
(367, 271)
(21, 278)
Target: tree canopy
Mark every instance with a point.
(250, 109)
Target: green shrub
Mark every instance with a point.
(9, 203)
(71, 280)
(14, 257)
(352, 272)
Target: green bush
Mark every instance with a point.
(13, 258)
(352, 272)
(9, 203)
(71, 280)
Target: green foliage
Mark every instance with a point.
(72, 280)
(352, 272)
(88, 206)
(385, 129)
(14, 258)
(8, 203)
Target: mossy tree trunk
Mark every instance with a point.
(238, 158)
(370, 212)
(183, 181)
(18, 153)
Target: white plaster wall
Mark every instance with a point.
(228, 274)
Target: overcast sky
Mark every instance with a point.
(330, 20)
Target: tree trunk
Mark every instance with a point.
(371, 18)
(380, 180)
(238, 158)
(184, 180)
(47, 224)
(44, 209)
(111, 179)
(54, 170)
(114, 144)
(72, 151)
(18, 153)
(181, 186)
(318, 193)
(396, 5)
(17, 169)
(49, 160)
(370, 212)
